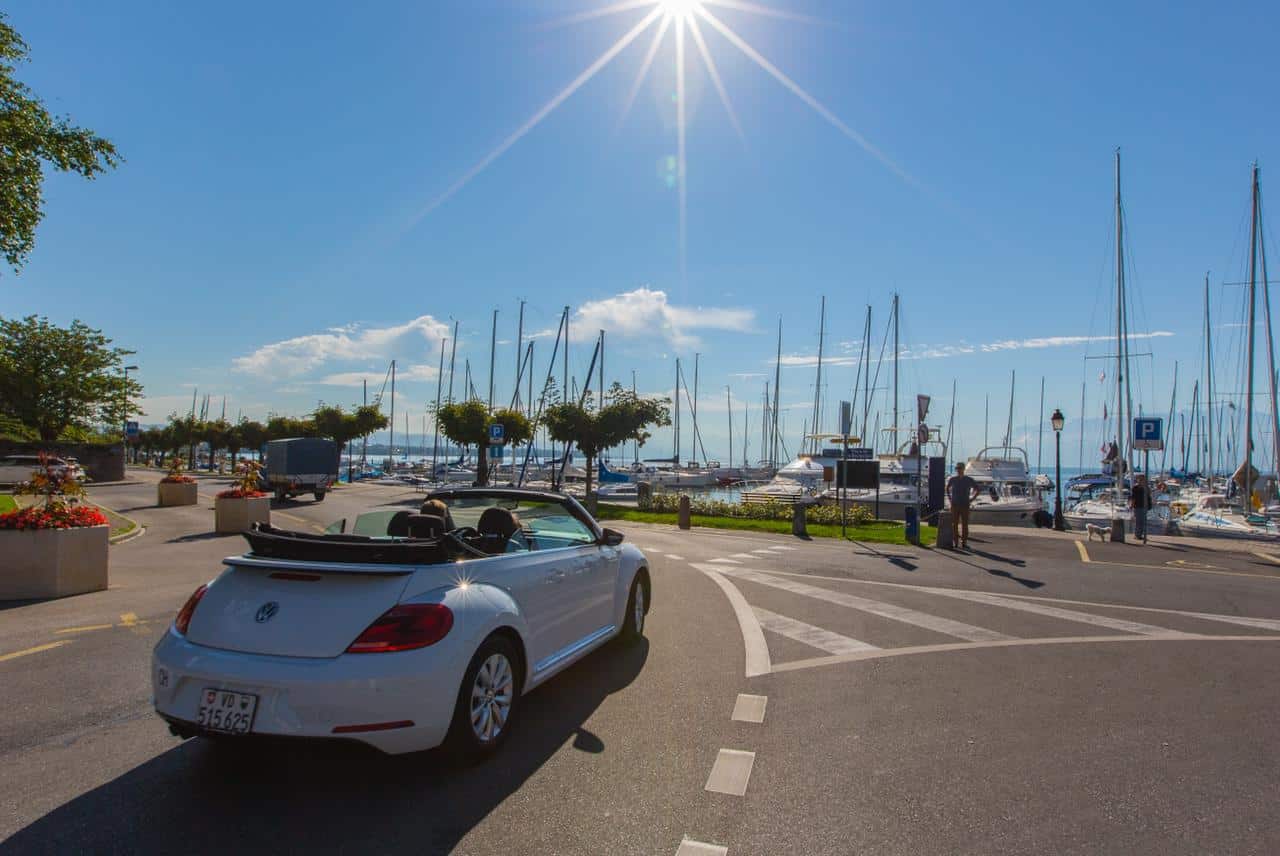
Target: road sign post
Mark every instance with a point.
(1148, 434)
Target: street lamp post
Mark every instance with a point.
(124, 411)
(1058, 420)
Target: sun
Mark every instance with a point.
(680, 8)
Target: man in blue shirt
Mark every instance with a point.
(961, 489)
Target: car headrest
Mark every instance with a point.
(496, 526)
(426, 526)
(398, 525)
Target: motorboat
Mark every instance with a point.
(1010, 496)
(1216, 516)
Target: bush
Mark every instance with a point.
(858, 515)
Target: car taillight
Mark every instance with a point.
(404, 627)
(183, 620)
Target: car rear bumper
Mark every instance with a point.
(304, 697)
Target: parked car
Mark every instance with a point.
(300, 465)
(18, 468)
(403, 631)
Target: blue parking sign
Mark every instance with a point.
(1148, 434)
(131, 429)
(497, 434)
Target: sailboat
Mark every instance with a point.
(1111, 507)
(1235, 515)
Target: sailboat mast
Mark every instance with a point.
(1208, 371)
(1008, 431)
(435, 436)
(951, 421)
(895, 372)
(1271, 349)
(391, 448)
(866, 371)
(1253, 292)
(817, 387)
(453, 355)
(777, 385)
(493, 356)
(675, 424)
(1040, 439)
(728, 399)
(1120, 366)
(1173, 403)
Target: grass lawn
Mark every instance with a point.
(7, 503)
(879, 532)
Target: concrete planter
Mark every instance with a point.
(239, 513)
(42, 563)
(176, 493)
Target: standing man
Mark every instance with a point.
(1140, 502)
(961, 489)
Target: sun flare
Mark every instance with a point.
(681, 18)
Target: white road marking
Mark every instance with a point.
(779, 549)
(814, 637)
(743, 556)
(689, 847)
(731, 772)
(757, 651)
(1266, 557)
(1055, 612)
(1244, 620)
(796, 665)
(749, 708)
(725, 562)
(673, 557)
(762, 550)
(936, 623)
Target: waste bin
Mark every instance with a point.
(913, 524)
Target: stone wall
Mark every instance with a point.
(101, 463)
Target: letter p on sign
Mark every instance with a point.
(1148, 434)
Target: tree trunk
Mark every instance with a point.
(590, 460)
(482, 464)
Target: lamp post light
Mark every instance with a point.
(1058, 420)
(124, 410)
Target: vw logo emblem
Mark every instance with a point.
(266, 612)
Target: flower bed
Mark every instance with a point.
(53, 517)
(239, 493)
(178, 479)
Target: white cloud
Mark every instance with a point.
(297, 356)
(646, 312)
(928, 352)
(421, 372)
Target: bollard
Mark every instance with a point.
(912, 524)
(798, 521)
(644, 494)
(1117, 530)
(945, 533)
(682, 518)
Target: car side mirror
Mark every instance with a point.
(611, 538)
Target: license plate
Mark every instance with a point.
(225, 711)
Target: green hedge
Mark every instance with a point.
(829, 514)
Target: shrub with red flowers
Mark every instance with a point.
(176, 475)
(245, 483)
(53, 517)
(60, 491)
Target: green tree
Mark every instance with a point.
(30, 138)
(284, 427)
(342, 427)
(252, 435)
(59, 379)
(626, 417)
(218, 434)
(467, 423)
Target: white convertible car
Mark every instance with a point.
(408, 631)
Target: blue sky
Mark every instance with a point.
(266, 238)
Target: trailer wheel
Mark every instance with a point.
(319, 495)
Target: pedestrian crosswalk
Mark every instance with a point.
(775, 604)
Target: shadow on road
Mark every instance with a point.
(296, 796)
(995, 572)
(200, 536)
(900, 561)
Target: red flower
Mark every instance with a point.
(237, 493)
(178, 479)
(53, 517)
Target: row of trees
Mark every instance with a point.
(187, 432)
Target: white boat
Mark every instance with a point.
(1214, 516)
(803, 477)
(1010, 496)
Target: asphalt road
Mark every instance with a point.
(1028, 696)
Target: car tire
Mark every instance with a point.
(637, 609)
(319, 495)
(494, 674)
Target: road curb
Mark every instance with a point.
(137, 532)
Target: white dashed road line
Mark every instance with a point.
(936, 623)
(674, 557)
(731, 772)
(814, 637)
(689, 847)
(725, 562)
(749, 708)
(762, 550)
(743, 556)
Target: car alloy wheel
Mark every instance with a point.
(492, 693)
(637, 598)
